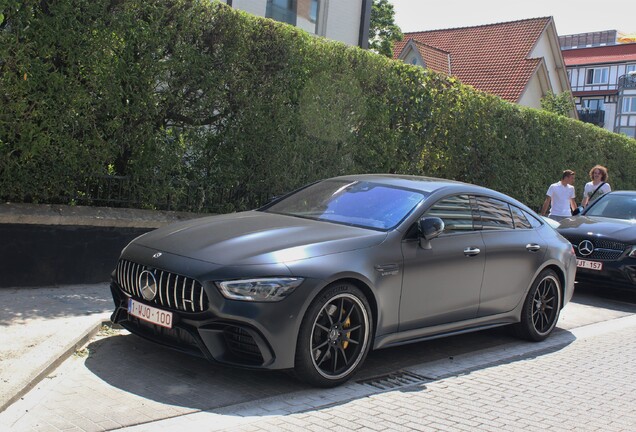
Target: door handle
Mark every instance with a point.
(533, 247)
(471, 251)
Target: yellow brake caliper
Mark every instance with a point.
(346, 324)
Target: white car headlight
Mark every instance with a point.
(632, 253)
(259, 290)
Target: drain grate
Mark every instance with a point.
(394, 380)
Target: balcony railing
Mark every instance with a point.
(627, 81)
(596, 117)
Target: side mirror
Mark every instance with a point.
(429, 228)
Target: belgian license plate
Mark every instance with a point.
(150, 314)
(591, 265)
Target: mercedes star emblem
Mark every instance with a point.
(147, 285)
(586, 247)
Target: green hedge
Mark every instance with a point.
(177, 95)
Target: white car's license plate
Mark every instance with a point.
(150, 314)
(591, 265)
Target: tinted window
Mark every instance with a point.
(520, 219)
(358, 203)
(536, 223)
(456, 213)
(615, 206)
(494, 214)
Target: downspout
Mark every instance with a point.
(365, 22)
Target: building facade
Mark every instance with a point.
(602, 74)
(519, 61)
(344, 21)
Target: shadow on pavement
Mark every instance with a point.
(145, 369)
(151, 371)
(25, 304)
(607, 298)
(136, 366)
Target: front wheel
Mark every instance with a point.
(541, 308)
(334, 336)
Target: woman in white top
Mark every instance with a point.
(598, 186)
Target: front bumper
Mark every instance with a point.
(615, 274)
(236, 333)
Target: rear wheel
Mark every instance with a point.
(541, 308)
(334, 337)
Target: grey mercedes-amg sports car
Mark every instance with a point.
(315, 279)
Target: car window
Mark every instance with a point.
(536, 223)
(615, 206)
(455, 211)
(364, 204)
(520, 219)
(494, 214)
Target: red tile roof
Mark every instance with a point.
(493, 58)
(435, 59)
(599, 55)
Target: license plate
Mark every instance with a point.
(591, 265)
(150, 314)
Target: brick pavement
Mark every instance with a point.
(583, 381)
(576, 380)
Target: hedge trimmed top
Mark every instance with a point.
(181, 94)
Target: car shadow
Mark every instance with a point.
(599, 296)
(176, 383)
(136, 366)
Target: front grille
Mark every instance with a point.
(174, 291)
(604, 250)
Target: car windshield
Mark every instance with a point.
(358, 203)
(615, 206)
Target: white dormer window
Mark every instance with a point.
(597, 76)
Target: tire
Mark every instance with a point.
(334, 337)
(541, 308)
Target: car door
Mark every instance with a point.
(514, 254)
(442, 284)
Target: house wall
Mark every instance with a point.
(343, 20)
(533, 94)
(337, 19)
(543, 48)
(255, 7)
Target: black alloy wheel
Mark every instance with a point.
(335, 337)
(541, 309)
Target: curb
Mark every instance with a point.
(57, 360)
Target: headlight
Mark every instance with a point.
(632, 253)
(259, 290)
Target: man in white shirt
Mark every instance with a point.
(560, 197)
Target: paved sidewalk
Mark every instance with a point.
(581, 381)
(41, 327)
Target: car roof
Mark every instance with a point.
(428, 185)
(624, 192)
(420, 183)
(424, 184)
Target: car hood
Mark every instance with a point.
(253, 238)
(618, 229)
